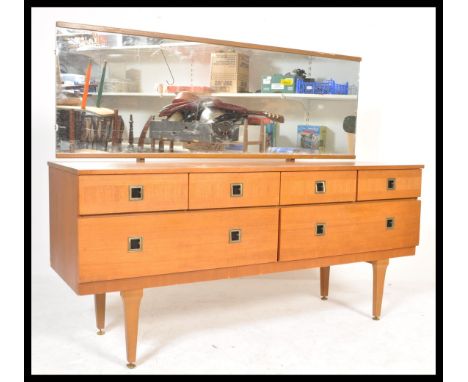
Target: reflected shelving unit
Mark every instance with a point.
(144, 68)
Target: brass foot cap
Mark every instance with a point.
(131, 365)
(376, 318)
(100, 332)
(324, 298)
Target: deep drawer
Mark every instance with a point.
(318, 187)
(121, 246)
(338, 229)
(224, 190)
(105, 194)
(388, 184)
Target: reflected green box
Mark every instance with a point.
(277, 83)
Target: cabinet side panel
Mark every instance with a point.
(63, 213)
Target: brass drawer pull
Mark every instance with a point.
(390, 223)
(236, 189)
(320, 187)
(234, 235)
(135, 193)
(135, 244)
(320, 229)
(391, 184)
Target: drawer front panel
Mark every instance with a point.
(224, 190)
(104, 194)
(121, 246)
(338, 229)
(318, 187)
(388, 184)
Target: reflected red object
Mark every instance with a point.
(191, 106)
(258, 120)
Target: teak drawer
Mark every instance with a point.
(388, 184)
(105, 194)
(347, 228)
(224, 190)
(174, 242)
(318, 187)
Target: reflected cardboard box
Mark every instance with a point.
(229, 72)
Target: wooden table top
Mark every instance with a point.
(161, 166)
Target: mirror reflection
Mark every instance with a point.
(118, 93)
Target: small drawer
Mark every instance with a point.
(318, 187)
(106, 194)
(332, 230)
(134, 245)
(388, 184)
(223, 190)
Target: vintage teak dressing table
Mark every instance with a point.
(217, 213)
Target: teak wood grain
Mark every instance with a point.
(214, 190)
(105, 194)
(349, 228)
(379, 267)
(237, 271)
(174, 242)
(92, 252)
(100, 311)
(208, 166)
(134, 32)
(131, 302)
(372, 184)
(324, 281)
(64, 208)
(299, 187)
(63, 219)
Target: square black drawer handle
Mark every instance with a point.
(135, 244)
(236, 189)
(390, 223)
(320, 229)
(135, 193)
(320, 187)
(235, 235)
(391, 184)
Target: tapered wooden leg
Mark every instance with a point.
(324, 282)
(100, 309)
(131, 301)
(379, 268)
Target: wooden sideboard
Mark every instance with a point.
(123, 226)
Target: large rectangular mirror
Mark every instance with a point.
(122, 93)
